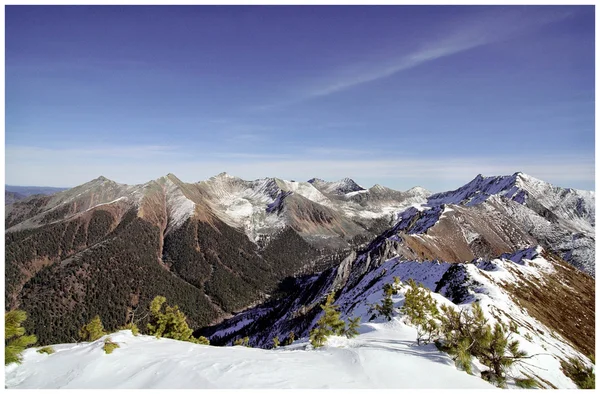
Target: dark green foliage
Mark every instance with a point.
(329, 324)
(526, 383)
(15, 340)
(93, 330)
(465, 334)
(169, 322)
(461, 333)
(109, 280)
(65, 273)
(242, 342)
(46, 350)
(109, 346)
(290, 339)
(131, 326)
(421, 311)
(386, 308)
(584, 377)
(352, 330)
(498, 353)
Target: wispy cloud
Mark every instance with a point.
(481, 29)
(489, 26)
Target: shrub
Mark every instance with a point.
(15, 340)
(581, 375)
(242, 342)
(527, 383)
(498, 353)
(133, 327)
(290, 339)
(386, 308)
(170, 322)
(93, 330)
(421, 311)
(329, 324)
(461, 333)
(109, 346)
(46, 350)
(275, 342)
(352, 330)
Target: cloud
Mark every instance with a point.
(486, 27)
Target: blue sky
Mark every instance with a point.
(396, 95)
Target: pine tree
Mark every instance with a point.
(386, 308)
(170, 322)
(352, 330)
(498, 353)
(462, 333)
(93, 330)
(290, 339)
(421, 310)
(15, 340)
(329, 324)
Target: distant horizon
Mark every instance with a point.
(296, 180)
(400, 96)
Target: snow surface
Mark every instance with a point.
(384, 356)
(179, 206)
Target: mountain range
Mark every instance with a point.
(225, 247)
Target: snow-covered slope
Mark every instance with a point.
(381, 358)
(524, 288)
(575, 208)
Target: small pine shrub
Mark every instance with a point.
(498, 353)
(526, 383)
(201, 340)
(242, 342)
(15, 340)
(461, 333)
(133, 327)
(46, 350)
(329, 324)
(386, 308)
(169, 322)
(92, 331)
(275, 342)
(290, 339)
(352, 330)
(421, 311)
(584, 377)
(109, 346)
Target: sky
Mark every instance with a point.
(393, 95)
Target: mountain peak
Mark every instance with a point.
(419, 191)
(223, 175)
(316, 180)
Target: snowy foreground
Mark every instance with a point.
(383, 356)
